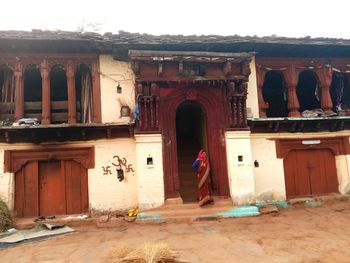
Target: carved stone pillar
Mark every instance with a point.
(72, 104)
(19, 91)
(325, 77)
(96, 92)
(263, 106)
(291, 78)
(46, 94)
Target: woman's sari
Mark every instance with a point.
(203, 176)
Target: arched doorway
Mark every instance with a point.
(32, 92)
(191, 136)
(275, 94)
(59, 95)
(308, 91)
(212, 107)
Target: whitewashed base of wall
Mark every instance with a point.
(240, 167)
(150, 170)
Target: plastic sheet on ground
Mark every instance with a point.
(40, 232)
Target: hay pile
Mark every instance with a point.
(147, 253)
(6, 220)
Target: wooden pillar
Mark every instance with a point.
(96, 92)
(72, 103)
(291, 78)
(19, 91)
(263, 106)
(325, 77)
(46, 94)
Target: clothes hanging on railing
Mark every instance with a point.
(86, 97)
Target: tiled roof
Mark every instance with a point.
(136, 38)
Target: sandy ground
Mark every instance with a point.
(299, 234)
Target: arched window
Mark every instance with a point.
(59, 95)
(7, 94)
(32, 92)
(275, 94)
(308, 91)
(340, 92)
(84, 94)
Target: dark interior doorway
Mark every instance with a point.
(308, 91)
(275, 94)
(32, 92)
(340, 92)
(191, 134)
(59, 95)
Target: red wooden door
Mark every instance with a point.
(52, 188)
(26, 191)
(76, 187)
(310, 172)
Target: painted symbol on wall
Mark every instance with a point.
(121, 166)
(122, 163)
(106, 170)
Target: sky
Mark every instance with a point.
(292, 18)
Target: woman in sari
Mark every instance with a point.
(202, 168)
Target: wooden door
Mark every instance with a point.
(310, 172)
(26, 191)
(52, 188)
(76, 187)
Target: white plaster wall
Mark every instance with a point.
(269, 176)
(150, 177)
(6, 183)
(241, 177)
(342, 165)
(252, 97)
(105, 191)
(112, 73)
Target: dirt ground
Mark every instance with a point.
(299, 234)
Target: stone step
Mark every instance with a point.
(188, 213)
(219, 203)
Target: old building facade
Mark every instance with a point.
(120, 118)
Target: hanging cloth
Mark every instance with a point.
(339, 91)
(317, 92)
(86, 97)
(8, 89)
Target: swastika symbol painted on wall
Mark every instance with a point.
(119, 164)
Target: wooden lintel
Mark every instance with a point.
(334, 126)
(318, 125)
(293, 126)
(109, 133)
(185, 79)
(7, 136)
(269, 127)
(301, 126)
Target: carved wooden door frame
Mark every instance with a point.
(214, 109)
